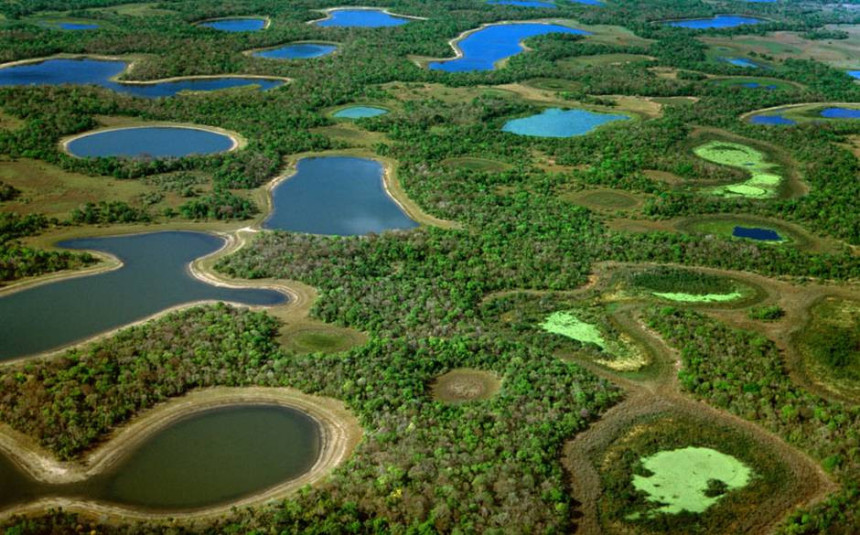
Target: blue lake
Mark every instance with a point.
(297, 51)
(483, 48)
(523, 3)
(77, 26)
(150, 141)
(361, 18)
(840, 113)
(236, 25)
(772, 120)
(718, 21)
(756, 233)
(336, 195)
(100, 72)
(359, 112)
(555, 122)
(854, 74)
(154, 277)
(741, 62)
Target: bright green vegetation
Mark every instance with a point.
(324, 339)
(566, 324)
(690, 479)
(764, 181)
(698, 298)
(766, 313)
(830, 346)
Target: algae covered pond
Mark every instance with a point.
(764, 180)
(201, 460)
(154, 277)
(687, 479)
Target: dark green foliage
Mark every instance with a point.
(18, 261)
(668, 279)
(108, 212)
(766, 313)
(8, 192)
(835, 345)
(221, 204)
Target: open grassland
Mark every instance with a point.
(792, 234)
(465, 384)
(840, 53)
(604, 199)
(603, 59)
(476, 164)
(829, 346)
(351, 135)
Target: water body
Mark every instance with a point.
(555, 122)
(205, 459)
(100, 72)
(483, 48)
(756, 85)
(854, 74)
(777, 120)
(741, 62)
(336, 195)
(840, 113)
(523, 3)
(236, 25)
(150, 141)
(756, 233)
(359, 112)
(297, 51)
(77, 26)
(154, 277)
(718, 21)
(361, 18)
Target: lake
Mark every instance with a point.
(840, 113)
(361, 18)
(151, 142)
(483, 48)
(741, 62)
(336, 195)
(718, 21)
(297, 51)
(854, 74)
(154, 277)
(756, 233)
(205, 459)
(100, 72)
(555, 122)
(777, 120)
(359, 112)
(235, 25)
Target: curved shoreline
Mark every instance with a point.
(787, 107)
(252, 52)
(424, 62)
(340, 433)
(266, 18)
(238, 141)
(329, 10)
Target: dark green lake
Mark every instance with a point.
(208, 458)
(155, 276)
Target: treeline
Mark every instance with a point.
(18, 261)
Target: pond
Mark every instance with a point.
(77, 26)
(741, 62)
(297, 51)
(854, 74)
(101, 72)
(481, 49)
(765, 175)
(756, 233)
(756, 85)
(236, 25)
(359, 112)
(204, 459)
(150, 142)
(155, 276)
(773, 120)
(555, 122)
(840, 113)
(361, 18)
(718, 21)
(336, 195)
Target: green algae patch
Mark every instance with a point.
(690, 479)
(764, 181)
(566, 324)
(699, 298)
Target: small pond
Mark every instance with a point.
(361, 18)
(773, 120)
(756, 85)
(154, 277)
(741, 62)
(756, 233)
(840, 113)
(102, 72)
(236, 25)
(718, 21)
(150, 142)
(483, 48)
(359, 112)
(854, 74)
(297, 51)
(337, 195)
(555, 122)
(77, 26)
(205, 459)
